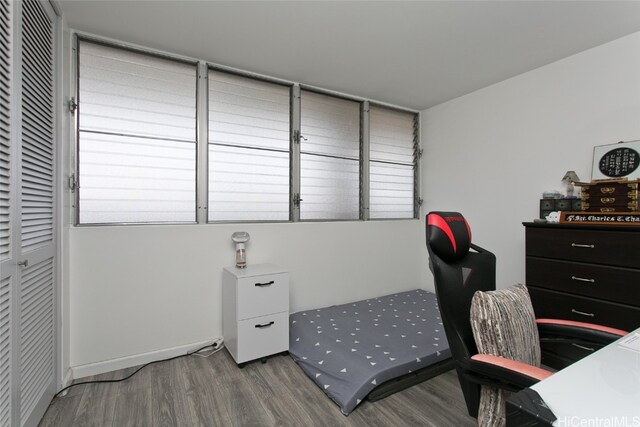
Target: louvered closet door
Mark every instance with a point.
(7, 264)
(36, 302)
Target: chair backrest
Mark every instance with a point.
(460, 268)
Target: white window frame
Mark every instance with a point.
(417, 200)
(74, 179)
(205, 144)
(202, 165)
(298, 197)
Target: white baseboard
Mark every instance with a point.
(97, 368)
(66, 380)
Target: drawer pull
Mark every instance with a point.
(580, 279)
(607, 190)
(265, 284)
(583, 347)
(582, 313)
(266, 325)
(579, 245)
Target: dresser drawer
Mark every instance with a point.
(615, 284)
(261, 295)
(586, 207)
(559, 355)
(557, 305)
(620, 248)
(262, 336)
(610, 189)
(617, 201)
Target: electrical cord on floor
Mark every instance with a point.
(214, 351)
(217, 346)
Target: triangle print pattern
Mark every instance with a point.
(367, 343)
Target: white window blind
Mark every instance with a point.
(329, 157)
(137, 137)
(392, 163)
(5, 119)
(248, 149)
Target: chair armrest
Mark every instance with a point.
(579, 331)
(585, 325)
(508, 371)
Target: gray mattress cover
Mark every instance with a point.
(349, 349)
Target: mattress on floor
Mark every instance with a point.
(349, 349)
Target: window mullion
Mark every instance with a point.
(74, 179)
(417, 203)
(364, 161)
(294, 199)
(202, 143)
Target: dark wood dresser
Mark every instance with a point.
(584, 273)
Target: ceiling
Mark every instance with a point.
(414, 54)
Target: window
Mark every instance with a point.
(249, 154)
(392, 164)
(329, 157)
(166, 140)
(137, 137)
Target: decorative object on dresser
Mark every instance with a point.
(616, 161)
(255, 311)
(554, 201)
(618, 195)
(584, 273)
(613, 201)
(594, 218)
(554, 205)
(570, 178)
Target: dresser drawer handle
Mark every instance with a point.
(266, 325)
(582, 313)
(583, 347)
(265, 284)
(580, 279)
(607, 190)
(579, 245)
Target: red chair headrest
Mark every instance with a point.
(448, 235)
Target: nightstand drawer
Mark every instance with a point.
(594, 246)
(602, 282)
(261, 295)
(557, 305)
(262, 336)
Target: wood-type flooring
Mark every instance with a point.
(213, 391)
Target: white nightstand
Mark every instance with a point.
(255, 311)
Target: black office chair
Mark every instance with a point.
(461, 268)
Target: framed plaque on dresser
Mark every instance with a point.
(587, 273)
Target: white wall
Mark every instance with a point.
(141, 289)
(492, 153)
